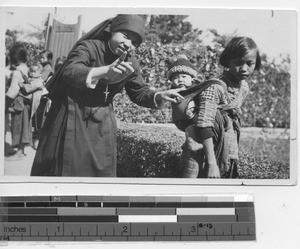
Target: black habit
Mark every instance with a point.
(79, 134)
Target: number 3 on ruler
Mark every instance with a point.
(193, 229)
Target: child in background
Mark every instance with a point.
(46, 57)
(17, 103)
(219, 113)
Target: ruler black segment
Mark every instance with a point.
(115, 204)
(62, 204)
(142, 204)
(89, 204)
(32, 211)
(244, 204)
(31, 218)
(206, 218)
(12, 204)
(168, 204)
(37, 204)
(88, 218)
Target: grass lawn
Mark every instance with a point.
(265, 156)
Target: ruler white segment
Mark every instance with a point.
(205, 211)
(148, 218)
(243, 198)
(86, 211)
(220, 198)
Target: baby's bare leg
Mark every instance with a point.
(190, 135)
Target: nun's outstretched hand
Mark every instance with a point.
(171, 95)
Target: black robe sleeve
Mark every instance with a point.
(138, 91)
(78, 66)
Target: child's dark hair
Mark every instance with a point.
(237, 48)
(17, 54)
(48, 54)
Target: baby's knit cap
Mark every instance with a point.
(181, 65)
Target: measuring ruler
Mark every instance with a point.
(127, 218)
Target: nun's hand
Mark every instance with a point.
(117, 71)
(171, 95)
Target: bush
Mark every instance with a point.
(147, 151)
(154, 151)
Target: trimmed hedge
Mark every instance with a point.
(148, 151)
(154, 151)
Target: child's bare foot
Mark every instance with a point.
(213, 171)
(193, 145)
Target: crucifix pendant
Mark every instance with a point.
(106, 93)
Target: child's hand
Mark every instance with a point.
(213, 171)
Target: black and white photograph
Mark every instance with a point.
(159, 95)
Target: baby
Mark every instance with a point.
(183, 75)
(35, 86)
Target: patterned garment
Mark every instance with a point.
(217, 97)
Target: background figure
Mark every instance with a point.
(46, 57)
(17, 103)
(47, 72)
(8, 150)
(35, 87)
(79, 134)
